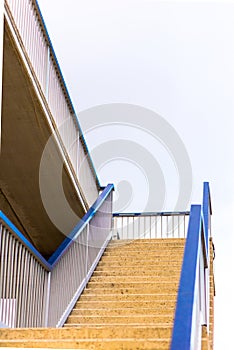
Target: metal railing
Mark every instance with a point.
(192, 308)
(23, 279)
(25, 20)
(39, 293)
(74, 263)
(150, 225)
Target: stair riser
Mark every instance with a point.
(124, 304)
(123, 312)
(151, 241)
(140, 270)
(133, 279)
(136, 320)
(80, 333)
(129, 297)
(143, 258)
(145, 246)
(131, 344)
(147, 264)
(153, 252)
(122, 291)
(136, 285)
(136, 273)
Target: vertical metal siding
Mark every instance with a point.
(20, 293)
(73, 267)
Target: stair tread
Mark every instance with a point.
(104, 344)
(145, 277)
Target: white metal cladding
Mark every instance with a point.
(41, 58)
(72, 269)
(85, 177)
(153, 225)
(29, 27)
(23, 284)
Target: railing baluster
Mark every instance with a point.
(5, 275)
(151, 225)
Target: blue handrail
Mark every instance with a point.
(61, 250)
(24, 240)
(207, 211)
(184, 333)
(152, 213)
(181, 337)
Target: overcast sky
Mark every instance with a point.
(176, 59)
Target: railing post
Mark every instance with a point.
(87, 255)
(47, 75)
(207, 211)
(47, 302)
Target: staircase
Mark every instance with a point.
(128, 304)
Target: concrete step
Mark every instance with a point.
(118, 251)
(133, 279)
(155, 269)
(131, 319)
(141, 249)
(136, 272)
(145, 257)
(133, 285)
(134, 297)
(140, 290)
(140, 263)
(151, 241)
(93, 304)
(142, 258)
(104, 344)
(118, 331)
(127, 312)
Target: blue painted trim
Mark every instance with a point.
(206, 209)
(61, 250)
(164, 213)
(24, 240)
(66, 90)
(80, 226)
(181, 336)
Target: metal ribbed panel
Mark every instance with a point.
(21, 287)
(74, 266)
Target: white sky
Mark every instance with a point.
(177, 59)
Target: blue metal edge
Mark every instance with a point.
(163, 213)
(24, 240)
(61, 250)
(66, 90)
(181, 336)
(207, 210)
